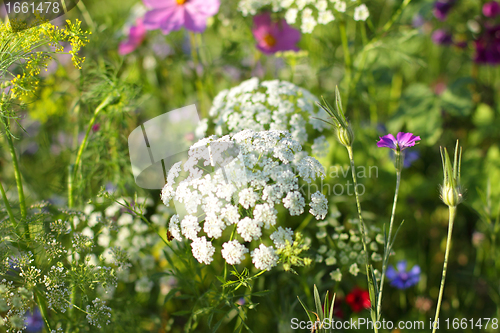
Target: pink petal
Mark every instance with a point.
(154, 18)
(387, 141)
(156, 4)
(406, 140)
(174, 22)
(135, 38)
(195, 21)
(262, 20)
(206, 8)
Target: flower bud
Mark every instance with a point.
(451, 196)
(345, 135)
(451, 191)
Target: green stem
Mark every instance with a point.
(361, 223)
(396, 15)
(76, 166)
(17, 175)
(196, 62)
(7, 206)
(387, 249)
(453, 212)
(43, 310)
(364, 54)
(86, 15)
(347, 61)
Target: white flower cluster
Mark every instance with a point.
(269, 105)
(310, 12)
(236, 182)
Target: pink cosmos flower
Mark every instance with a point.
(403, 141)
(274, 36)
(171, 15)
(135, 37)
(491, 9)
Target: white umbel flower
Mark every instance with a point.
(203, 250)
(265, 214)
(248, 198)
(280, 236)
(190, 227)
(243, 179)
(295, 203)
(173, 227)
(270, 105)
(264, 258)
(319, 205)
(233, 252)
(361, 13)
(340, 6)
(249, 229)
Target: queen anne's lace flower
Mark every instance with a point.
(190, 227)
(203, 250)
(233, 252)
(361, 13)
(280, 237)
(268, 105)
(319, 205)
(310, 13)
(264, 257)
(236, 182)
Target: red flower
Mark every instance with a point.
(358, 299)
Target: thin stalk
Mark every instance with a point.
(7, 206)
(43, 310)
(347, 60)
(453, 212)
(76, 166)
(17, 175)
(196, 62)
(387, 249)
(364, 54)
(361, 223)
(86, 15)
(396, 15)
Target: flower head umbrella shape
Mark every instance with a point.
(274, 36)
(401, 278)
(171, 15)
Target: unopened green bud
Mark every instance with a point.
(451, 196)
(345, 135)
(451, 191)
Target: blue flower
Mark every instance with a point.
(34, 321)
(401, 278)
(410, 157)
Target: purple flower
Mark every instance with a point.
(402, 279)
(274, 36)
(442, 8)
(403, 141)
(491, 9)
(135, 37)
(441, 37)
(417, 21)
(171, 15)
(34, 321)
(488, 46)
